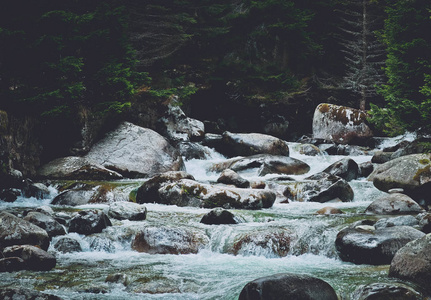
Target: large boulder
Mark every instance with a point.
(89, 222)
(247, 144)
(11, 264)
(135, 151)
(394, 204)
(229, 176)
(321, 187)
(127, 211)
(219, 216)
(413, 263)
(389, 291)
(76, 168)
(340, 124)
(411, 173)
(148, 191)
(362, 243)
(187, 192)
(168, 240)
(37, 190)
(345, 168)
(190, 150)
(287, 286)
(67, 245)
(34, 258)
(51, 226)
(15, 231)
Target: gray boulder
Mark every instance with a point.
(34, 258)
(345, 168)
(51, 226)
(15, 231)
(219, 216)
(89, 222)
(381, 157)
(308, 149)
(134, 151)
(362, 243)
(287, 286)
(37, 190)
(340, 124)
(167, 240)
(321, 187)
(394, 204)
(389, 291)
(413, 263)
(127, 211)
(190, 150)
(229, 176)
(187, 192)
(67, 245)
(11, 264)
(397, 221)
(411, 173)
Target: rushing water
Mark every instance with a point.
(219, 271)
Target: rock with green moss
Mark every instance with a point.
(188, 192)
(340, 124)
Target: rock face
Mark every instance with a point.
(390, 291)
(364, 244)
(247, 144)
(287, 286)
(15, 231)
(134, 151)
(340, 124)
(411, 173)
(394, 204)
(127, 211)
(346, 168)
(34, 258)
(321, 187)
(167, 240)
(88, 222)
(413, 263)
(219, 216)
(187, 192)
(51, 226)
(229, 176)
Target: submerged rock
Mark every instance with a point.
(394, 204)
(187, 192)
(287, 286)
(229, 176)
(375, 246)
(327, 210)
(413, 263)
(167, 240)
(219, 216)
(389, 291)
(15, 231)
(89, 222)
(340, 124)
(34, 258)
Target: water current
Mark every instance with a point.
(219, 271)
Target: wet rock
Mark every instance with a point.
(287, 286)
(308, 149)
(380, 157)
(229, 176)
(345, 150)
(176, 126)
(51, 226)
(413, 263)
(346, 168)
(411, 173)
(219, 216)
(397, 221)
(321, 187)
(127, 211)
(11, 264)
(213, 140)
(247, 144)
(365, 169)
(134, 151)
(390, 291)
(10, 195)
(36, 190)
(167, 240)
(187, 192)
(118, 278)
(190, 151)
(340, 124)
(102, 244)
(365, 244)
(25, 294)
(414, 147)
(424, 220)
(394, 204)
(67, 245)
(76, 168)
(44, 209)
(89, 222)
(34, 258)
(74, 197)
(272, 242)
(15, 231)
(328, 210)
(148, 191)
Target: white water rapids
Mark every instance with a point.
(215, 272)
